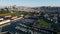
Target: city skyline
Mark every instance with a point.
(30, 3)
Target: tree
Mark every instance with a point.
(2, 11)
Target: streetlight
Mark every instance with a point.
(0, 30)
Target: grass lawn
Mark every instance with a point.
(4, 14)
(44, 23)
(13, 14)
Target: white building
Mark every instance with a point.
(1, 19)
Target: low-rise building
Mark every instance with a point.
(1, 19)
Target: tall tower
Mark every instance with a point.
(58, 15)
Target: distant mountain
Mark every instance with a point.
(2, 7)
(18, 8)
(47, 9)
(33, 9)
(21, 8)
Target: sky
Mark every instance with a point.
(30, 3)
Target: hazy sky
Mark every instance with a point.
(31, 3)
